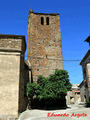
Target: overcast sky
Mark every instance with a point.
(74, 25)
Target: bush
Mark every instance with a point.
(50, 91)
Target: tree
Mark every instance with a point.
(50, 91)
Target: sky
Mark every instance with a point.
(74, 26)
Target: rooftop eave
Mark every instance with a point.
(88, 39)
(85, 57)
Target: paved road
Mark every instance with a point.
(42, 114)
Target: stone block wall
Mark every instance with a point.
(12, 100)
(12, 42)
(83, 92)
(88, 78)
(86, 73)
(44, 44)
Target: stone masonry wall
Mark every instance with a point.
(82, 93)
(13, 101)
(86, 75)
(14, 42)
(88, 78)
(44, 44)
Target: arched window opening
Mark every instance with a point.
(47, 20)
(42, 21)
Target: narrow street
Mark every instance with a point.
(74, 112)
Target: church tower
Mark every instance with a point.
(44, 43)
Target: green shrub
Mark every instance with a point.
(49, 91)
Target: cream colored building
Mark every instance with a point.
(12, 84)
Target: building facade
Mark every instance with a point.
(12, 99)
(85, 63)
(44, 44)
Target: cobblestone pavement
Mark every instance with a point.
(42, 114)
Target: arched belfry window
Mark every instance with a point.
(42, 20)
(47, 20)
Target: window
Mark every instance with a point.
(42, 21)
(47, 20)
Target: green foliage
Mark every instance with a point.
(52, 87)
(31, 88)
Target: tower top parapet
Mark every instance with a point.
(53, 14)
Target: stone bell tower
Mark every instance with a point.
(44, 43)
